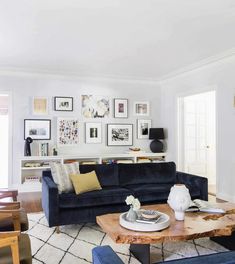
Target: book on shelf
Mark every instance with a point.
(124, 161)
(156, 160)
(32, 164)
(88, 162)
(198, 205)
(144, 160)
(43, 149)
(31, 179)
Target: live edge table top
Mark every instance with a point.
(195, 225)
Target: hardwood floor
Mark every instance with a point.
(32, 202)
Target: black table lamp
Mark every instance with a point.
(156, 145)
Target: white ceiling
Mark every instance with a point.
(145, 39)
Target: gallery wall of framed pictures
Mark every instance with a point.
(95, 124)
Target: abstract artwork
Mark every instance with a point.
(40, 106)
(67, 131)
(94, 106)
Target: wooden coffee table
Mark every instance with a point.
(195, 225)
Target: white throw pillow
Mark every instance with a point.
(60, 174)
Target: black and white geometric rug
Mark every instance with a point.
(75, 242)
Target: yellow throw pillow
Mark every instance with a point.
(85, 182)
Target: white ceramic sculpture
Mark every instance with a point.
(179, 200)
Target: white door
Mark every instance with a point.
(199, 135)
(4, 140)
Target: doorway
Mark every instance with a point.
(4, 140)
(197, 136)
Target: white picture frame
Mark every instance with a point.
(141, 108)
(95, 106)
(120, 108)
(93, 133)
(143, 126)
(67, 131)
(119, 134)
(40, 106)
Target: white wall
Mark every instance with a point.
(23, 88)
(221, 77)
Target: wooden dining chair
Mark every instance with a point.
(15, 247)
(8, 202)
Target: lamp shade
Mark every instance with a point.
(156, 133)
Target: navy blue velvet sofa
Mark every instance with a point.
(149, 182)
(106, 255)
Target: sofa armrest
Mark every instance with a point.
(193, 180)
(105, 255)
(50, 200)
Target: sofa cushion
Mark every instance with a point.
(60, 173)
(194, 191)
(106, 196)
(106, 173)
(142, 173)
(150, 192)
(85, 182)
(157, 192)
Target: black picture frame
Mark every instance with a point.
(63, 108)
(37, 129)
(119, 142)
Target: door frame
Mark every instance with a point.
(10, 137)
(180, 122)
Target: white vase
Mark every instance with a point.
(179, 200)
(131, 215)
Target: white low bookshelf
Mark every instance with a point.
(31, 167)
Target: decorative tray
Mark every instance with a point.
(162, 223)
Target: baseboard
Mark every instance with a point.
(225, 197)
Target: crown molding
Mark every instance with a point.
(42, 73)
(221, 57)
(25, 72)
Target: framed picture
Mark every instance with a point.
(40, 106)
(120, 134)
(93, 133)
(141, 108)
(143, 126)
(67, 131)
(94, 106)
(37, 129)
(120, 108)
(63, 103)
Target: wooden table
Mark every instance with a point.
(195, 225)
